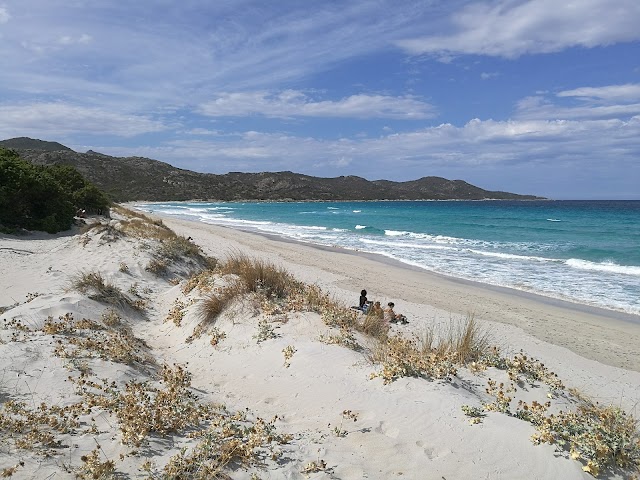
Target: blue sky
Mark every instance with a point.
(539, 97)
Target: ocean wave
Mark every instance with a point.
(396, 233)
(512, 256)
(609, 267)
(360, 227)
(357, 211)
(220, 208)
(419, 246)
(553, 220)
(312, 227)
(221, 219)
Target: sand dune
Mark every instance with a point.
(328, 411)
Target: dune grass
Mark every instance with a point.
(94, 284)
(464, 340)
(171, 247)
(260, 276)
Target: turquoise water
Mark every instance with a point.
(583, 251)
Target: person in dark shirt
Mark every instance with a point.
(364, 303)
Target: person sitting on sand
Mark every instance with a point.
(364, 303)
(376, 310)
(391, 317)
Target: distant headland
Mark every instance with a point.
(137, 178)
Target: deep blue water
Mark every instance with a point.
(582, 251)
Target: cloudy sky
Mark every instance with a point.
(539, 97)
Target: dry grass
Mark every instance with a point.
(78, 339)
(210, 307)
(171, 246)
(92, 468)
(158, 267)
(345, 338)
(402, 357)
(311, 298)
(430, 355)
(98, 289)
(38, 428)
(108, 232)
(374, 326)
(177, 312)
(230, 440)
(466, 341)
(203, 281)
(601, 437)
(469, 341)
(260, 276)
(142, 409)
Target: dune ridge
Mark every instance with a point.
(131, 350)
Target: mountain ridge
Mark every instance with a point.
(139, 178)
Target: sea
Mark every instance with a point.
(586, 252)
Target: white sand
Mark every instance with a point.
(412, 428)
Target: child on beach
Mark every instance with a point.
(376, 310)
(391, 317)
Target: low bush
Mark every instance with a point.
(36, 197)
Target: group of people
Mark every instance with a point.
(374, 308)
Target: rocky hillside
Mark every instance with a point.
(137, 178)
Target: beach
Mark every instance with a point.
(607, 337)
(344, 421)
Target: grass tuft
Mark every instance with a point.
(260, 276)
(98, 289)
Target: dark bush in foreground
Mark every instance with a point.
(43, 198)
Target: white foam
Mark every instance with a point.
(360, 227)
(404, 245)
(609, 267)
(395, 233)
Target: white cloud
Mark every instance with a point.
(619, 93)
(611, 101)
(506, 28)
(203, 131)
(488, 75)
(292, 103)
(4, 15)
(83, 39)
(477, 144)
(54, 120)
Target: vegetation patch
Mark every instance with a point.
(37, 197)
(98, 289)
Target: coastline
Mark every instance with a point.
(608, 337)
(330, 399)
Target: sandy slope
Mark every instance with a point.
(412, 428)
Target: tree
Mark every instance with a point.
(43, 198)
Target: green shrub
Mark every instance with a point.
(44, 198)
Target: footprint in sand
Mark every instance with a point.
(429, 452)
(385, 430)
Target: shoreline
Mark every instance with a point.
(606, 336)
(331, 389)
(590, 283)
(379, 258)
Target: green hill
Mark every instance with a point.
(138, 178)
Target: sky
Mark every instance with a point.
(535, 97)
